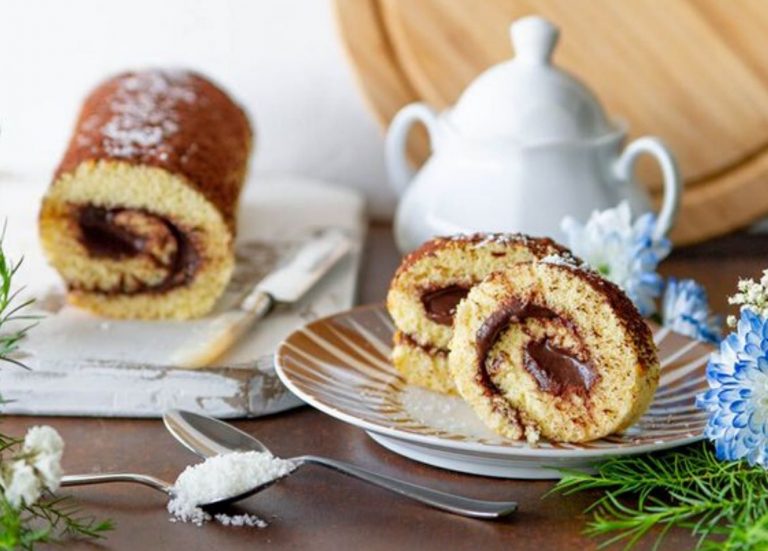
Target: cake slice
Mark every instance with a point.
(548, 348)
(140, 218)
(429, 284)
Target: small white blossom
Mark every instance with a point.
(48, 468)
(622, 252)
(20, 484)
(36, 467)
(751, 296)
(43, 446)
(43, 439)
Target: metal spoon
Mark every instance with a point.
(157, 484)
(207, 437)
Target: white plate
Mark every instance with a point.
(340, 365)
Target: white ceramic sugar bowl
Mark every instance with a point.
(524, 146)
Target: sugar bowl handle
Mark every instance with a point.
(625, 167)
(399, 171)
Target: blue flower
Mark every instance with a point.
(685, 310)
(737, 399)
(622, 252)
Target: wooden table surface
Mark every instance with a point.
(318, 509)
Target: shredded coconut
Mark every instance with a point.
(241, 520)
(220, 477)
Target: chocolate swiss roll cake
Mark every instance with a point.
(140, 218)
(547, 348)
(429, 284)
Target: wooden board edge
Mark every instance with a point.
(358, 19)
(723, 204)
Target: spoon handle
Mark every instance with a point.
(146, 480)
(465, 506)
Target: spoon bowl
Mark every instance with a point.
(205, 436)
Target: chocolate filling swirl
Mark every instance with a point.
(127, 233)
(556, 371)
(440, 304)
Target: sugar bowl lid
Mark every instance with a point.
(527, 99)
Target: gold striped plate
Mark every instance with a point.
(340, 365)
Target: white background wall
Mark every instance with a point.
(282, 59)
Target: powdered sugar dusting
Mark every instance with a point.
(484, 239)
(220, 477)
(503, 239)
(145, 113)
(568, 260)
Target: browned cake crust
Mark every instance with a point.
(539, 246)
(175, 120)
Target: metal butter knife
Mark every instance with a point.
(286, 285)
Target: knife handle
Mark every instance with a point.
(227, 329)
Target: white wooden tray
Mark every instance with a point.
(81, 364)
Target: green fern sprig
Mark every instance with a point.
(51, 519)
(723, 504)
(64, 518)
(11, 310)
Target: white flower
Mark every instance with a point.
(43, 447)
(621, 251)
(21, 484)
(43, 439)
(36, 467)
(48, 468)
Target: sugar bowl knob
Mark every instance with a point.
(534, 39)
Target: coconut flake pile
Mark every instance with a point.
(220, 477)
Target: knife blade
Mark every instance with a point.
(285, 285)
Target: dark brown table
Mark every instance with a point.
(318, 509)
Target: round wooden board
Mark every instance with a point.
(693, 72)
